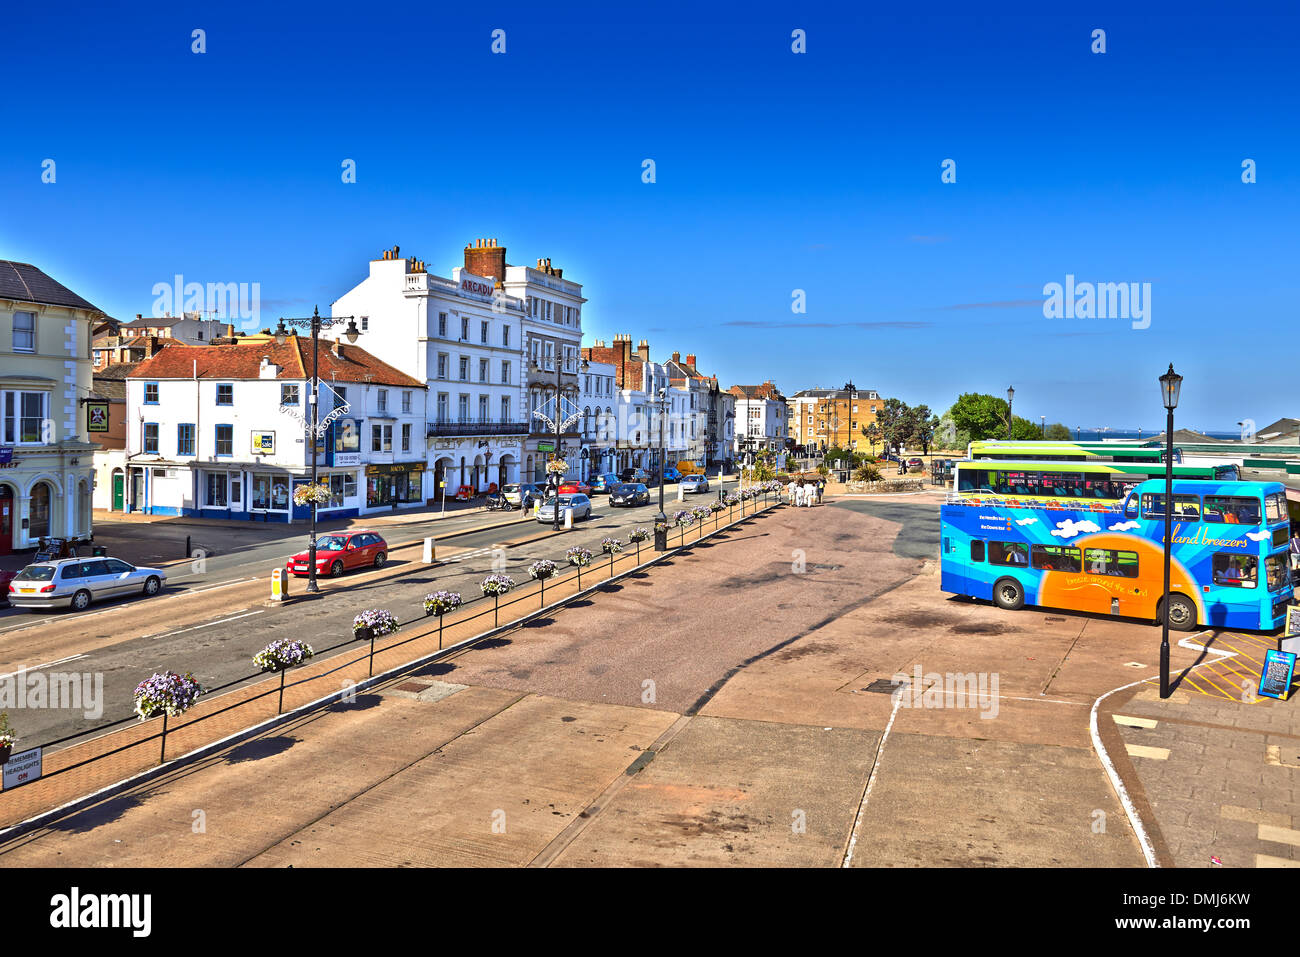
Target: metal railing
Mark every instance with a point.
(493, 606)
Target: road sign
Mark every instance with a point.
(22, 768)
(1275, 682)
(546, 446)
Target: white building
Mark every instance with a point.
(462, 337)
(552, 333)
(762, 424)
(219, 431)
(599, 400)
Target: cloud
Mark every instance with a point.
(1125, 526)
(760, 324)
(1000, 304)
(1070, 528)
(1026, 521)
(1258, 536)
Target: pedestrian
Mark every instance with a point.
(790, 490)
(799, 494)
(821, 488)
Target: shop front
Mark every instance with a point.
(394, 485)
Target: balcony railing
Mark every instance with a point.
(469, 426)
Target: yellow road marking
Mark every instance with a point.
(1144, 751)
(1264, 860)
(1132, 722)
(1279, 835)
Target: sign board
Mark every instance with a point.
(263, 443)
(546, 446)
(22, 768)
(1275, 682)
(1292, 619)
(96, 416)
(6, 454)
(345, 459)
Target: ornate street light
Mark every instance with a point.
(1011, 394)
(561, 422)
(315, 430)
(1170, 384)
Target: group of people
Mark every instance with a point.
(805, 492)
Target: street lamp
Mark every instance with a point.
(1011, 394)
(1170, 383)
(1044, 424)
(661, 520)
(315, 323)
(560, 422)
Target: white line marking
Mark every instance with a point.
(871, 782)
(209, 624)
(45, 665)
(1148, 850)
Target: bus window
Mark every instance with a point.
(1131, 507)
(977, 551)
(1187, 508)
(1007, 553)
(1276, 571)
(1153, 506)
(1231, 509)
(1275, 507)
(1236, 570)
(1108, 561)
(1055, 558)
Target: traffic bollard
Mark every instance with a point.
(279, 584)
(430, 552)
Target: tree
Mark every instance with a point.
(1057, 432)
(981, 416)
(892, 419)
(872, 434)
(1022, 430)
(923, 425)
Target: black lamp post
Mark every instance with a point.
(1043, 419)
(1170, 383)
(554, 478)
(315, 323)
(1011, 394)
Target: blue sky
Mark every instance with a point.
(775, 172)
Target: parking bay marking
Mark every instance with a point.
(47, 664)
(209, 624)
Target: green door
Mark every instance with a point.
(117, 491)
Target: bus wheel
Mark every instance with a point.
(1182, 613)
(1008, 594)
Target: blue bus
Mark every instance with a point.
(1229, 566)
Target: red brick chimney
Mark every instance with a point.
(484, 257)
(690, 359)
(643, 350)
(677, 357)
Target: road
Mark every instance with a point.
(212, 628)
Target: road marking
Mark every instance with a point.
(1131, 722)
(45, 665)
(871, 782)
(220, 621)
(1144, 841)
(1145, 751)
(1264, 860)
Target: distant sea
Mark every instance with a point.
(1101, 435)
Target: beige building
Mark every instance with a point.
(46, 466)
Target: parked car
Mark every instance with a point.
(604, 482)
(522, 495)
(916, 463)
(634, 475)
(580, 504)
(575, 485)
(465, 493)
(629, 494)
(6, 576)
(694, 483)
(76, 582)
(671, 475)
(342, 551)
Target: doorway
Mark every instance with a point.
(119, 491)
(6, 520)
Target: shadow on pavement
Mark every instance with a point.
(98, 815)
(260, 748)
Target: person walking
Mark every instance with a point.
(821, 488)
(790, 490)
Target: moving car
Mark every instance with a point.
(580, 504)
(76, 582)
(465, 493)
(604, 483)
(629, 494)
(523, 494)
(694, 483)
(341, 551)
(916, 463)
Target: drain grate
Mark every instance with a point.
(413, 686)
(1054, 618)
(881, 686)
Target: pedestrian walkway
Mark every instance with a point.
(1213, 770)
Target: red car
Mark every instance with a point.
(575, 488)
(341, 551)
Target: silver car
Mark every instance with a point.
(580, 504)
(694, 483)
(76, 582)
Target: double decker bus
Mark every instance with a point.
(1092, 485)
(1229, 560)
(1067, 451)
